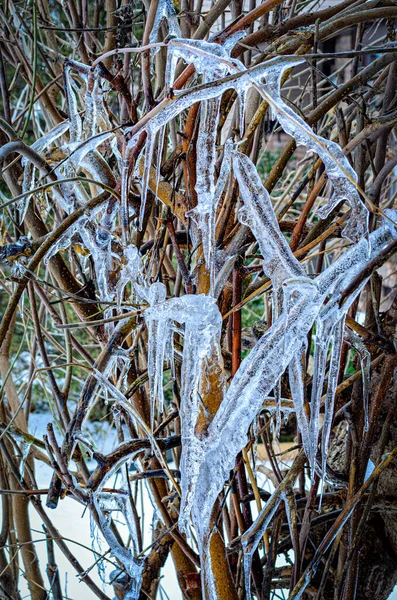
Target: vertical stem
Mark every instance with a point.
(34, 76)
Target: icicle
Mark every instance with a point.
(149, 149)
(96, 117)
(162, 142)
(131, 271)
(157, 330)
(74, 117)
(205, 212)
(333, 374)
(354, 340)
(242, 99)
(25, 453)
(321, 345)
(125, 186)
(298, 396)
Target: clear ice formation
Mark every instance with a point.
(165, 11)
(29, 171)
(280, 346)
(340, 172)
(219, 73)
(86, 135)
(250, 545)
(203, 322)
(106, 504)
(299, 302)
(356, 342)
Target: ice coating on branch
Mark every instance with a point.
(279, 264)
(105, 504)
(203, 322)
(165, 11)
(66, 239)
(79, 151)
(213, 59)
(29, 170)
(203, 55)
(253, 381)
(250, 542)
(339, 171)
(46, 140)
(261, 369)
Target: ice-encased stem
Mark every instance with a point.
(296, 382)
(333, 374)
(133, 566)
(339, 171)
(203, 322)
(264, 365)
(250, 542)
(165, 11)
(149, 149)
(321, 345)
(278, 261)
